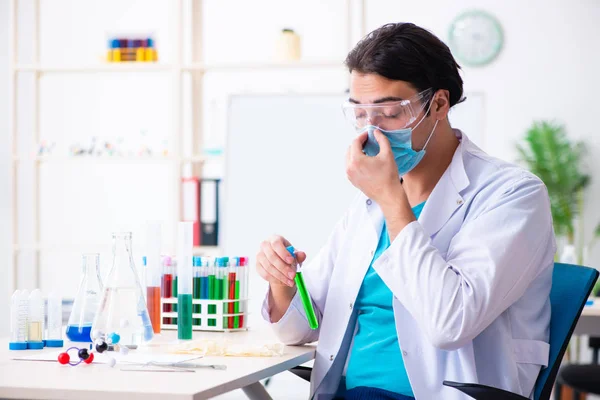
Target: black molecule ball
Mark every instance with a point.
(83, 354)
(101, 347)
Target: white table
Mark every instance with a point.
(589, 322)
(49, 380)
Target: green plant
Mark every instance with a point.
(556, 160)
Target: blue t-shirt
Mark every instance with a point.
(376, 334)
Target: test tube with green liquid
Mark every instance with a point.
(304, 295)
(185, 281)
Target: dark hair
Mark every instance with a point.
(406, 52)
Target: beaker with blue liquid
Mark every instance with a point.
(87, 300)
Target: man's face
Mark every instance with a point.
(375, 89)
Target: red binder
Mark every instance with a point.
(190, 196)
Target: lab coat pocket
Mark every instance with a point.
(527, 351)
(530, 357)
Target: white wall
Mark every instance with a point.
(5, 213)
(547, 69)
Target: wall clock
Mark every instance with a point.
(475, 38)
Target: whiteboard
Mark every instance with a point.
(284, 174)
(285, 171)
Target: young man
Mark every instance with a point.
(441, 269)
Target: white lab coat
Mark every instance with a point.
(471, 282)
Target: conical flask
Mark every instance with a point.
(87, 300)
(122, 313)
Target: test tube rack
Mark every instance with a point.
(211, 316)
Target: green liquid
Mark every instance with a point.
(236, 305)
(219, 289)
(197, 307)
(174, 294)
(306, 301)
(211, 295)
(225, 296)
(184, 317)
(219, 293)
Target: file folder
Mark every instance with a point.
(209, 211)
(190, 196)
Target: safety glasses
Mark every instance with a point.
(388, 116)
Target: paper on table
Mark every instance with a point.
(206, 347)
(132, 357)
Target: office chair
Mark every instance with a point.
(571, 287)
(582, 378)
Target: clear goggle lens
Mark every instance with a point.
(387, 116)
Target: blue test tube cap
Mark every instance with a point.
(291, 250)
(221, 261)
(35, 345)
(17, 346)
(150, 42)
(196, 261)
(144, 261)
(115, 44)
(54, 343)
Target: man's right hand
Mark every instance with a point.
(275, 264)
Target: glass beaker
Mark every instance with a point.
(123, 309)
(87, 300)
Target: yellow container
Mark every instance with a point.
(151, 55)
(288, 46)
(115, 55)
(140, 54)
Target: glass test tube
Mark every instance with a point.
(197, 263)
(54, 327)
(19, 304)
(152, 272)
(35, 320)
(205, 261)
(143, 277)
(166, 286)
(231, 281)
(185, 281)
(242, 290)
(304, 295)
(212, 290)
(174, 287)
(225, 288)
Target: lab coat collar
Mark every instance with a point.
(444, 199)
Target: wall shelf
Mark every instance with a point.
(48, 247)
(206, 250)
(128, 67)
(98, 68)
(114, 159)
(258, 66)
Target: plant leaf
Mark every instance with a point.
(549, 154)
